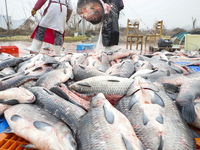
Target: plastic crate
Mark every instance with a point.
(12, 142)
(194, 68)
(85, 47)
(12, 50)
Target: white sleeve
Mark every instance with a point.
(69, 4)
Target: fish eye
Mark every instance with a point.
(96, 12)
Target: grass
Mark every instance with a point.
(27, 38)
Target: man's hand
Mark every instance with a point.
(33, 12)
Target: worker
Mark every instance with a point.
(51, 28)
(110, 28)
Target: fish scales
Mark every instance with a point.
(99, 130)
(61, 108)
(171, 131)
(102, 84)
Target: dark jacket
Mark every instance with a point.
(110, 29)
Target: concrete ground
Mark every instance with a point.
(68, 47)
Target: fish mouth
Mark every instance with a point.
(32, 100)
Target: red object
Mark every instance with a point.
(12, 50)
(49, 35)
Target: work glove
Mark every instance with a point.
(33, 12)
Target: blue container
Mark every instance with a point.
(194, 68)
(85, 47)
(3, 124)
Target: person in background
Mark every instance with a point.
(110, 28)
(51, 28)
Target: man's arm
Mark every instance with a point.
(69, 13)
(37, 6)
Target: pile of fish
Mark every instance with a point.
(102, 100)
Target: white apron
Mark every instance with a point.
(55, 16)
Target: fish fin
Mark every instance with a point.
(113, 80)
(188, 113)
(127, 143)
(100, 58)
(9, 102)
(161, 143)
(81, 66)
(132, 102)
(108, 115)
(71, 76)
(38, 68)
(15, 117)
(40, 125)
(8, 130)
(157, 100)
(145, 119)
(84, 84)
(116, 75)
(131, 89)
(120, 65)
(195, 133)
(93, 64)
(49, 92)
(159, 118)
(58, 91)
(29, 146)
(65, 71)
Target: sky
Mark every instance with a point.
(174, 13)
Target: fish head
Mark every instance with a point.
(141, 83)
(93, 11)
(26, 96)
(98, 101)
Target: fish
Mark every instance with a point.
(82, 72)
(189, 91)
(7, 71)
(178, 79)
(37, 126)
(56, 76)
(104, 127)
(64, 92)
(102, 84)
(77, 58)
(99, 60)
(150, 110)
(94, 11)
(13, 96)
(124, 69)
(59, 107)
(12, 62)
(120, 53)
(196, 122)
(37, 59)
(15, 80)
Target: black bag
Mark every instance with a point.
(165, 43)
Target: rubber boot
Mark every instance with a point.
(58, 49)
(35, 47)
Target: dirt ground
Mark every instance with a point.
(67, 47)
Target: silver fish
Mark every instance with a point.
(124, 69)
(103, 127)
(82, 72)
(103, 84)
(39, 127)
(59, 107)
(55, 77)
(154, 111)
